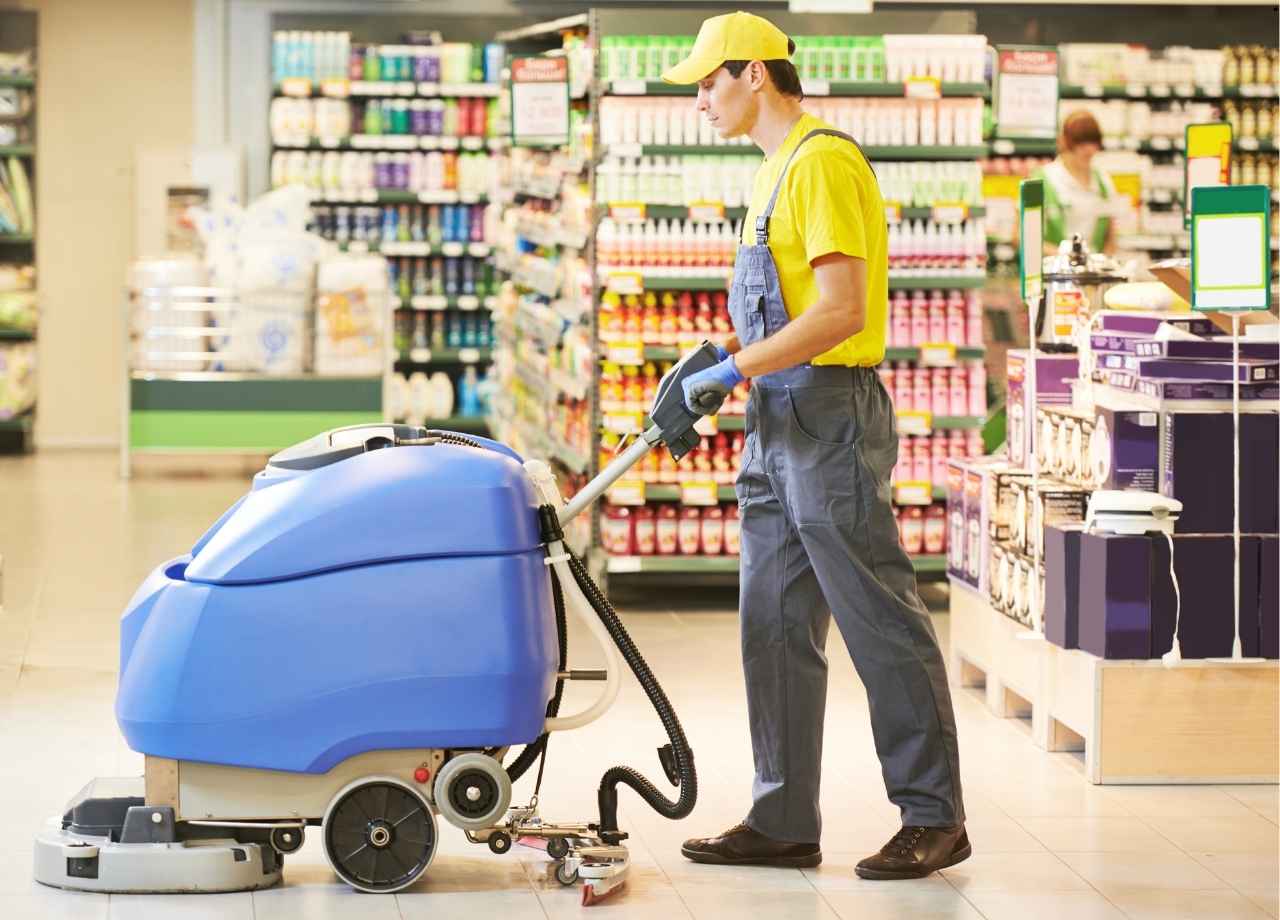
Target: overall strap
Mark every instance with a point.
(762, 222)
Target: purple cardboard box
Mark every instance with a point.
(956, 470)
(1053, 375)
(1203, 390)
(1196, 461)
(1188, 369)
(1204, 351)
(1203, 565)
(1124, 451)
(1115, 595)
(1269, 596)
(977, 539)
(1146, 324)
(1062, 585)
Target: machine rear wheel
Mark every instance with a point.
(379, 835)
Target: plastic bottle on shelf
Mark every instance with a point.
(616, 530)
(645, 531)
(940, 391)
(904, 388)
(668, 530)
(955, 319)
(732, 531)
(912, 530)
(937, 317)
(958, 386)
(977, 374)
(935, 529)
(973, 319)
(712, 531)
(690, 531)
(921, 391)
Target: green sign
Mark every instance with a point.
(1231, 248)
(1031, 239)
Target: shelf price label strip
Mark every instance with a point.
(701, 493)
(913, 493)
(915, 422)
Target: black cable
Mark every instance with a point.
(685, 774)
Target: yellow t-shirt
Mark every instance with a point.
(829, 202)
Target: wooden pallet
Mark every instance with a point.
(1134, 721)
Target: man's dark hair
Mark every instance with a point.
(782, 72)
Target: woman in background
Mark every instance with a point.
(1078, 198)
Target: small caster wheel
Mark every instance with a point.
(286, 840)
(500, 843)
(566, 876)
(557, 847)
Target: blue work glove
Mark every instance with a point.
(705, 391)
(721, 354)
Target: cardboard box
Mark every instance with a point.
(1115, 601)
(1062, 584)
(1205, 350)
(1187, 369)
(1054, 372)
(1065, 438)
(1264, 395)
(1001, 498)
(1196, 461)
(956, 542)
(1057, 503)
(1203, 564)
(1146, 324)
(1269, 596)
(1124, 449)
(977, 527)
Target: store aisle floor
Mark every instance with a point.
(77, 540)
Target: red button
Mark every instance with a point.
(422, 774)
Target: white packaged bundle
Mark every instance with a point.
(352, 307)
(167, 325)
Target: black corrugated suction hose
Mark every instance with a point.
(685, 774)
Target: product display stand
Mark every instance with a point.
(17, 344)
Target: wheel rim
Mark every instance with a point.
(473, 794)
(379, 836)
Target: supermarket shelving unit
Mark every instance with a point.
(15, 432)
(530, 276)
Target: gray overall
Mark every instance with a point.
(819, 538)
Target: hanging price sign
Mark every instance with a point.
(540, 101)
(1026, 92)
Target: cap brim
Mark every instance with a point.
(690, 70)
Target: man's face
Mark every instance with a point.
(728, 103)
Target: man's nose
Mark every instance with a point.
(704, 99)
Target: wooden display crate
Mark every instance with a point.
(1135, 721)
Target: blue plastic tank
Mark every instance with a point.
(393, 599)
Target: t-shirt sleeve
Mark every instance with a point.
(827, 205)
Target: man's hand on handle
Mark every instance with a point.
(706, 391)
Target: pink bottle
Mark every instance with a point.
(974, 319)
(903, 386)
(900, 323)
(977, 389)
(921, 461)
(959, 389)
(939, 451)
(955, 319)
(919, 318)
(937, 318)
(973, 443)
(940, 388)
(921, 391)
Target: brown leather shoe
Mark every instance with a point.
(742, 846)
(915, 852)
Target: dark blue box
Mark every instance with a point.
(1062, 585)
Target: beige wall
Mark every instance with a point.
(113, 75)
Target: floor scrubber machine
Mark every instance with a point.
(355, 646)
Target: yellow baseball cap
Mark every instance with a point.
(731, 37)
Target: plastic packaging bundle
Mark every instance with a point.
(17, 378)
(352, 304)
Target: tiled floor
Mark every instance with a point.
(76, 541)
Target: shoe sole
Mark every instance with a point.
(881, 875)
(784, 862)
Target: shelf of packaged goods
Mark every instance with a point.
(538, 442)
(401, 89)
(812, 87)
(550, 237)
(443, 302)
(1004, 147)
(415, 360)
(1175, 91)
(17, 150)
(550, 29)
(545, 189)
(935, 283)
(907, 353)
(394, 196)
(692, 565)
(17, 239)
(415, 248)
(393, 143)
(22, 81)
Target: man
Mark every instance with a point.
(809, 302)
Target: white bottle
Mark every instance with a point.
(607, 243)
(644, 181)
(644, 114)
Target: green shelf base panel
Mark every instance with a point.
(22, 82)
(698, 283)
(1024, 147)
(941, 283)
(692, 565)
(17, 239)
(681, 212)
(16, 335)
(929, 564)
(915, 212)
(232, 430)
(951, 422)
(362, 395)
(665, 492)
(17, 150)
(19, 423)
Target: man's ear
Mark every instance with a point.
(757, 73)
